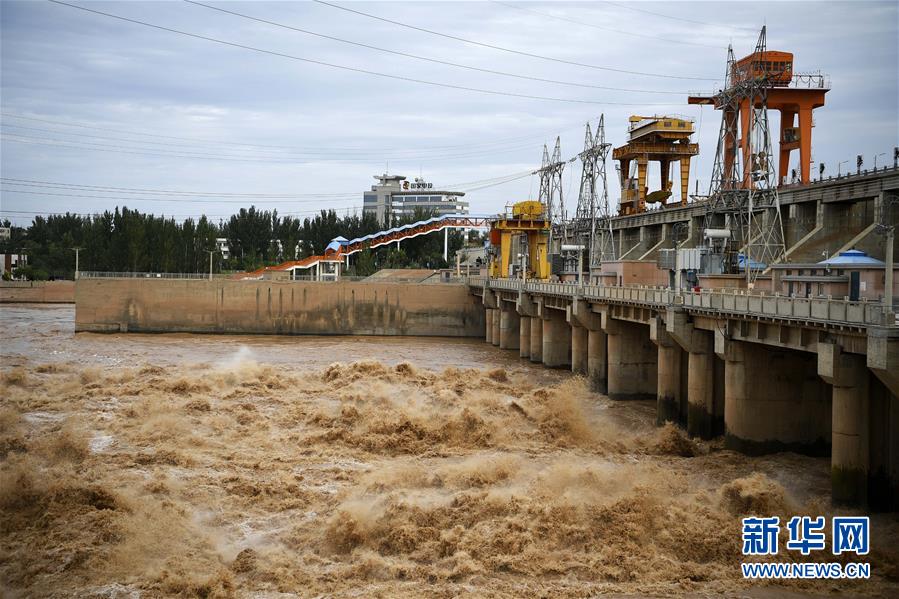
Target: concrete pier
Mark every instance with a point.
(596, 360)
(524, 336)
(633, 369)
(850, 460)
(508, 327)
(883, 468)
(588, 343)
(774, 401)
(556, 340)
(536, 353)
(488, 319)
(579, 350)
(496, 322)
(671, 389)
(705, 416)
(704, 376)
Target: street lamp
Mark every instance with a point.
(839, 165)
(875, 159)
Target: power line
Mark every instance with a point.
(694, 22)
(192, 196)
(170, 191)
(287, 159)
(601, 27)
(299, 148)
(276, 156)
(510, 50)
(264, 153)
(44, 141)
(300, 213)
(344, 67)
(166, 200)
(136, 190)
(433, 60)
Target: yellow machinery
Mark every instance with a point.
(519, 242)
(662, 139)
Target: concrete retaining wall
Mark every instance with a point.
(277, 307)
(38, 292)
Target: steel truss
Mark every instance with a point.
(743, 192)
(593, 226)
(551, 183)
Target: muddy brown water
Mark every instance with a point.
(257, 466)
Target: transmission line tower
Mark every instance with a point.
(592, 222)
(551, 183)
(586, 200)
(743, 192)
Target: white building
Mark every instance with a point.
(393, 197)
(221, 244)
(11, 262)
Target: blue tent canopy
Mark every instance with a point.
(852, 258)
(753, 264)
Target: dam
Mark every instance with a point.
(830, 364)
(350, 325)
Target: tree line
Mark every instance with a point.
(127, 240)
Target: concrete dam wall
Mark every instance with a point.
(277, 307)
(38, 292)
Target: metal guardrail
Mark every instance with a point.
(86, 274)
(735, 302)
(236, 277)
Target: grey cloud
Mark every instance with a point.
(62, 64)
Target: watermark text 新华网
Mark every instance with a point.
(849, 535)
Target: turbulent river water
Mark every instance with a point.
(159, 465)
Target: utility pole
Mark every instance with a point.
(211, 252)
(887, 226)
(888, 279)
(77, 251)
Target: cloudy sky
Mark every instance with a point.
(100, 111)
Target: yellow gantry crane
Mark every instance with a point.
(519, 242)
(662, 139)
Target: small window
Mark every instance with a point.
(667, 123)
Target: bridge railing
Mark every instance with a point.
(859, 313)
(826, 309)
(88, 274)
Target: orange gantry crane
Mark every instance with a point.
(783, 90)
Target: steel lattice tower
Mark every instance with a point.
(592, 222)
(743, 192)
(586, 201)
(551, 183)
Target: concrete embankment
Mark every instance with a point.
(276, 307)
(37, 292)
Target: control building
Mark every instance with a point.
(393, 197)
